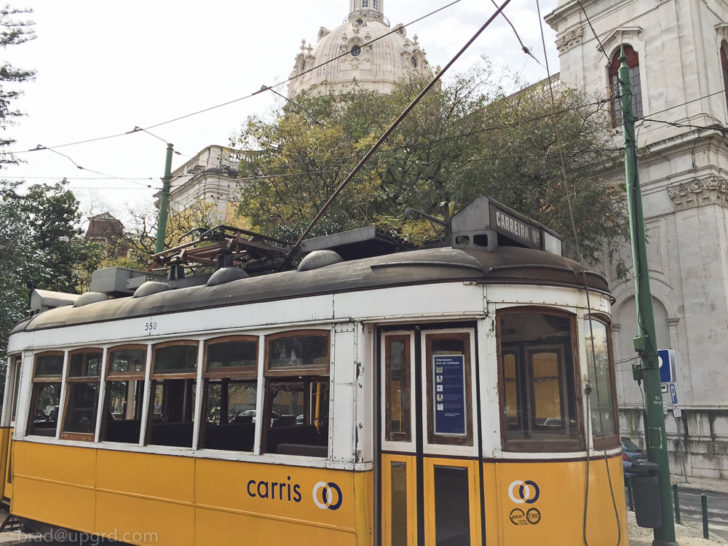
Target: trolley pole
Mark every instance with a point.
(164, 200)
(647, 370)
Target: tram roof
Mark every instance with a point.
(509, 265)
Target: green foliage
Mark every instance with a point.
(40, 247)
(13, 31)
(463, 140)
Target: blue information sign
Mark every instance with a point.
(449, 394)
(667, 363)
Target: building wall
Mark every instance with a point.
(210, 177)
(683, 172)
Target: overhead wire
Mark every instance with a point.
(245, 97)
(577, 245)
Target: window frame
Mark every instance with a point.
(72, 379)
(438, 440)
(235, 374)
(35, 380)
(127, 376)
(307, 375)
(156, 378)
(605, 442)
(297, 370)
(535, 445)
(633, 62)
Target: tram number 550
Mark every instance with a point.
(150, 326)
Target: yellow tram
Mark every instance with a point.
(462, 394)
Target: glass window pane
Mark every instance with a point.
(232, 354)
(123, 411)
(16, 385)
(172, 412)
(449, 385)
(510, 378)
(48, 365)
(175, 359)
(298, 351)
(452, 506)
(601, 399)
(397, 386)
(399, 503)
(85, 364)
(44, 411)
(537, 371)
(299, 417)
(230, 415)
(80, 414)
(546, 388)
(127, 360)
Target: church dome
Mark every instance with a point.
(374, 66)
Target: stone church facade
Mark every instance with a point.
(677, 51)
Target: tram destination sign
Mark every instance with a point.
(507, 223)
(449, 394)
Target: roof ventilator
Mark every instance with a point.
(90, 297)
(318, 259)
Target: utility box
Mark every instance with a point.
(644, 477)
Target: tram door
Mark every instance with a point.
(429, 475)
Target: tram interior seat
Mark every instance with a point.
(172, 434)
(298, 440)
(231, 436)
(122, 431)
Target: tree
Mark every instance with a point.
(13, 31)
(40, 247)
(464, 140)
(141, 237)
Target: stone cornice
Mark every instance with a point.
(570, 39)
(695, 193)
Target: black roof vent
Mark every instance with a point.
(357, 243)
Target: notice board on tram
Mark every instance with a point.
(449, 394)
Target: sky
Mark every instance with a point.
(104, 68)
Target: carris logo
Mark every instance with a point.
(327, 495)
(522, 492)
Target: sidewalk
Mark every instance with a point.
(686, 535)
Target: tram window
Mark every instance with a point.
(230, 394)
(16, 385)
(122, 416)
(84, 371)
(601, 399)
(397, 386)
(537, 375)
(448, 389)
(46, 396)
(173, 394)
(297, 396)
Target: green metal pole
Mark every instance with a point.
(164, 201)
(645, 344)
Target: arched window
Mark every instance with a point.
(724, 67)
(634, 74)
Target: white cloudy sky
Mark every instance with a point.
(104, 67)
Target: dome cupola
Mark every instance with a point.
(361, 53)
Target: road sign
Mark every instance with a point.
(666, 359)
(676, 411)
